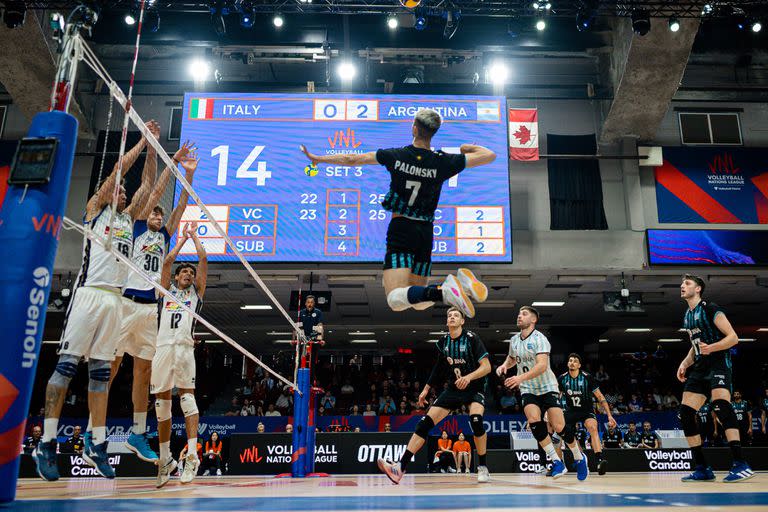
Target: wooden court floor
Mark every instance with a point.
(625, 491)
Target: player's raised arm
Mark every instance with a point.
(190, 166)
(148, 175)
(165, 276)
(477, 155)
(201, 277)
(162, 183)
(351, 159)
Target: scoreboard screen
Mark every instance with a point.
(257, 184)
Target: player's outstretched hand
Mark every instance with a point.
(184, 151)
(312, 158)
(423, 398)
(501, 370)
(706, 349)
(192, 226)
(681, 373)
(462, 382)
(189, 163)
(513, 382)
(611, 422)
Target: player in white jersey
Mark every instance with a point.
(93, 315)
(138, 326)
(529, 351)
(174, 361)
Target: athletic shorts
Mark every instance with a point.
(575, 416)
(544, 402)
(173, 366)
(91, 324)
(409, 245)
(138, 330)
(704, 376)
(453, 399)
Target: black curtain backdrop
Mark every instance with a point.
(575, 187)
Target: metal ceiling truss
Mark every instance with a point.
(493, 8)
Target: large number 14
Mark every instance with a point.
(260, 174)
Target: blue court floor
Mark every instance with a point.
(640, 491)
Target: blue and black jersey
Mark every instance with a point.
(699, 323)
(416, 179)
(458, 357)
(742, 410)
(578, 391)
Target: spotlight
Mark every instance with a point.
(346, 71)
(278, 20)
(757, 26)
(541, 25)
(199, 70)
(15, 12)
(674, 24)
(246, 19)
(708, 9)
(498, 73)
(392, 22)
(451, 23)
(420, 22)
(130, 19)
(641, 22)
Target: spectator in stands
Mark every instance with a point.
(211, 461)
(403, 410)
(347, 389)
(601, 376)
(621, 405)
(387, 405)
(632, 437)
(613, 438)
(670, 401)
(357, 429)
(369, 410)
(328, 401)
(463, 453)
(635, 405)
(355, 411)
(387, 427)
(445, 459)
(260, 428)
(284, 402)
(31, 442)
(289, 428)
(649, 404)
(248, 388)
(508, 402)
(248, 409)
(75, 443)
(234, 409)
(658, 398)
(649, 438)
(271, 411)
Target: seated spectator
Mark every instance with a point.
(248, 388)
(601, 376)
(289, 428)
(369, 410)
(635, 405)
(621, 405)
(347, 389)
(32, 441)
(463, 453)
(355, 411)
(357, 429)
(613, 438)
(234, 409)
(211, 461)
(649, 438)
(632, 437)
(260, 428)
(248, 409)
(445, 459)
(649, 404)
(284, 401)
(403, 410)
(387, 405)
(670, 401)
(75, 443)
(328, 401)
(271, 411)
(508, 402)
(657, 397)
(387, 427)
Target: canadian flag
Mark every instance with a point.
(523, 134)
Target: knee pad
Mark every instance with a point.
(476, 422)
(163, 410)
(724, 412)
(539, 431)
(421, 306)
(567, 434)
(688, 420)
(99, 372)
(397, 299)
(188, 404)
(66, 368)
(423, 427)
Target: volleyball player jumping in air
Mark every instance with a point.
(417, 174)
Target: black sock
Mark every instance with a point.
(698, 456)
(481, 459)
(736, 450)
(418, 294)
(407, 456)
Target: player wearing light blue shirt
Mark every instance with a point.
(529, 352)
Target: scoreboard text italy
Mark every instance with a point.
(252, 176)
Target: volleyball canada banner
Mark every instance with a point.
(225, 426)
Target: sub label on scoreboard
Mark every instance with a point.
(342, 222)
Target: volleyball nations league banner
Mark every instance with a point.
(713, 185)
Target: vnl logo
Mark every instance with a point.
(343, 139)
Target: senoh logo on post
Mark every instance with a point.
(42, 278)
